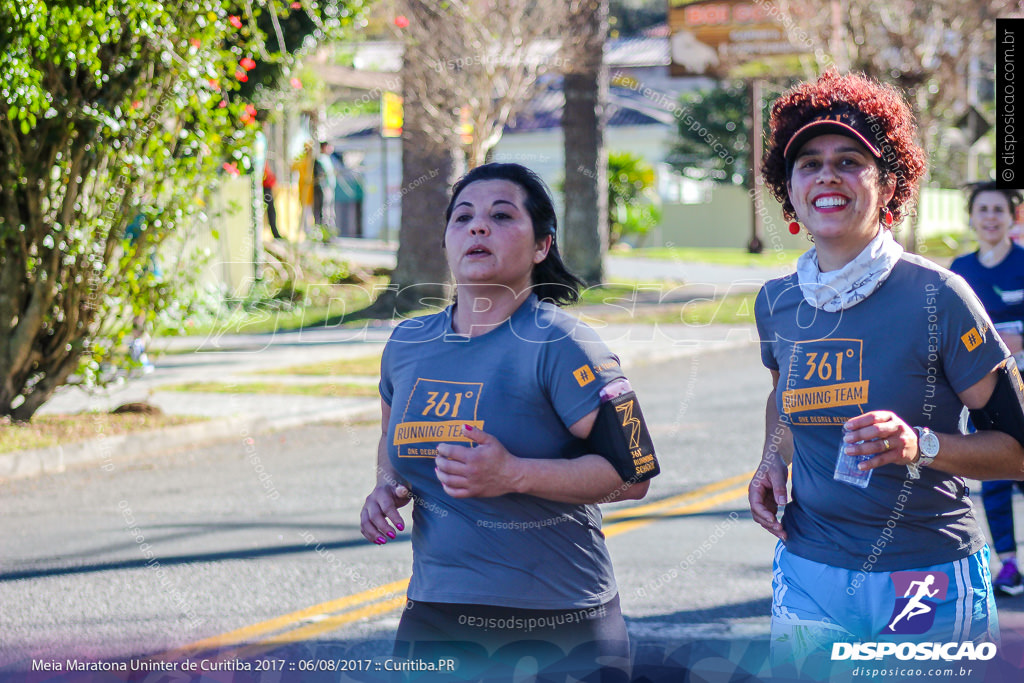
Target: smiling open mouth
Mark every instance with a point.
(830, 202)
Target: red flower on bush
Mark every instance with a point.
(235, 21)
(401, 21)
(249, 115)
(230, 168)
(296, 83)
(248, 63)
(241, 75)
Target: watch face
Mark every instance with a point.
(929, 444)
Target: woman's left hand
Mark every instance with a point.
(481, 472)
(885, 435)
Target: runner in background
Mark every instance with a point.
(996, 274)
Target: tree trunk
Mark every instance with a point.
(421, 271)
(421, 275)
(586, 160)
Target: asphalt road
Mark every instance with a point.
(251, 547)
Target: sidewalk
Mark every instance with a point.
(376, 253)
(236, 359)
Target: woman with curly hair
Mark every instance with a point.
(873, 354)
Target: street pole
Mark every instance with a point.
(756, 243)
(384, 182)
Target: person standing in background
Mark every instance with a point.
(269, 182)
(996, 274)
(323, 188)
(303, 165)
(348, 197)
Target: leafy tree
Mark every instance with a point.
(714, 133)
(630, 17)
(632, 201)
(116, 112)
(924, 48)
(469, 66)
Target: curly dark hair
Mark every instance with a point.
(885, 109)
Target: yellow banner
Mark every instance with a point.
(391, 112)
(818, 398)
(433, 432)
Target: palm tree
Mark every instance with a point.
(586, 176)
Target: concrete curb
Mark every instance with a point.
(108, 450)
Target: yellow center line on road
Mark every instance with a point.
(312, 621)
(287, 621)
(659, 505)
(686, 509)
(315, 629)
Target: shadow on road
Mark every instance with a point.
(172, 560)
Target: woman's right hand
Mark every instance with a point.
(380, 511)
(767, 493)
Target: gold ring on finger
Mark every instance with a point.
(885, 442)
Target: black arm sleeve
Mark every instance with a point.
(620, 436)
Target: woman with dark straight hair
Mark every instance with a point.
(551, 279)
(507, 421)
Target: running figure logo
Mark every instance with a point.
(914, 613)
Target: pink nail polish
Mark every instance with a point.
(380, 540)
(391, 534)
(401, 527)
(468, 428)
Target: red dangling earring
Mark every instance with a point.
(888, 218)
(794, 228)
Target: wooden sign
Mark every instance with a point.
(711, 37)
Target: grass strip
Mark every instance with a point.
(736, 309)
(325, 390)
(365, 366)
(50, 430)
(724, 257)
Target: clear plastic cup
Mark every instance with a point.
(846, 467)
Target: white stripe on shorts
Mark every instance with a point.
(963, 583)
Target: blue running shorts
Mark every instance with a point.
(815, 605)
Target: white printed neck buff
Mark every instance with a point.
(840, 289)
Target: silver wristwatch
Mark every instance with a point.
(927, 449)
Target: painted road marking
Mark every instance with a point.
(329, 616)
(660, 505)
(288, 621)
